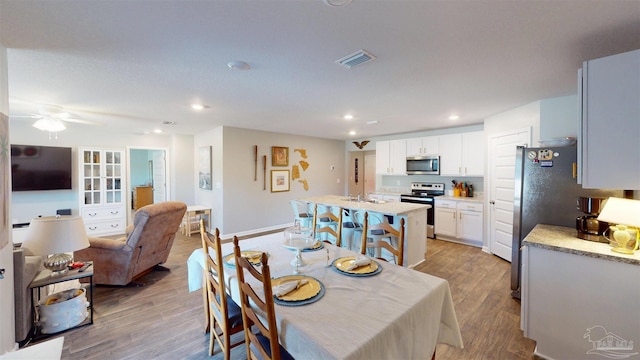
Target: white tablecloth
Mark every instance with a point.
(398, 314)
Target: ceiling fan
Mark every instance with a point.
(50, 117)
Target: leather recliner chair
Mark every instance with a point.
(147, 243)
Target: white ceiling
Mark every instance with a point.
(131, 65)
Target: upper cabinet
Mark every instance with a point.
(462, 154)
(391, 157)
(610, 126)
(429, 145)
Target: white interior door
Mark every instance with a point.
(369, 174)
(159, 176)
(502, 159)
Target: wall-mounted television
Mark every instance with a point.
(40, 168)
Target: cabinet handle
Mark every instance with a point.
(459, 169)
(92, 228)
(114, 212)
(92, 214)
(492, 202)
(114, 225)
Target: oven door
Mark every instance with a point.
(424, 201)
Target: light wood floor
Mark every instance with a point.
(162, 320)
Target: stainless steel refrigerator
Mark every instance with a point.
(546, 192)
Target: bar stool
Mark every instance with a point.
(375, 232)
(352, 226)
(301, 212)
(379, 231)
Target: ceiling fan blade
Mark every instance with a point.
(81, 121)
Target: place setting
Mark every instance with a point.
(358, 266)
(253, 256)
(296, 290)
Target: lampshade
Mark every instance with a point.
(621, 211)
(56, 235)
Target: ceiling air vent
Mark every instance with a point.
(357, 58)
(167, 123)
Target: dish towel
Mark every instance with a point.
(359, 261)
(285, 288)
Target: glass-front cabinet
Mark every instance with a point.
(102, 198)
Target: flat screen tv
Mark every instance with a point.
(40, 168)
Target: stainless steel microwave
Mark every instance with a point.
(423, 165)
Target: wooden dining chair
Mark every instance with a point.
(373, 235)
(301, 212)
(264, 343)
(325, 221)
(224, 315)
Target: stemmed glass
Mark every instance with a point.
(298, 238)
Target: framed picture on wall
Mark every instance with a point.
(204, 167)
(279, 156)
(279, 180)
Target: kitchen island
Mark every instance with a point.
(415, 220)
(579, 298)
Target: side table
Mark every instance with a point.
(190, 216)
(44, 278)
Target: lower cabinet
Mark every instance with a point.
(459, 221)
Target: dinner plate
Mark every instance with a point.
(317, 246)
(252, 255)
(342, 264)
(308, 293)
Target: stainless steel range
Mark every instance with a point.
(424, 193)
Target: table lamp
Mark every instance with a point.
(56, 236)
(625, 213)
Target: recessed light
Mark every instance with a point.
(238, 65)
(348, 117)
(157, 131)
(352, 132)
(197, 107)
(454, 117)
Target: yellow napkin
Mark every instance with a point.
(287, 287)
(358, 262)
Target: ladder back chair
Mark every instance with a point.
(377, 232)
(302, 213)
(325, 221)
(264, 343)
(224, 315)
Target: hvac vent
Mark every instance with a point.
(167, 123)
(357, 58)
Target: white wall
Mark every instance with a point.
(559, 117)
(29, 204)
(7, 317)
(245, 206)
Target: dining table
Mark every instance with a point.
(391, 313)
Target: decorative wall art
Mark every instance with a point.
(204, 167)
(297, 174)
(279, 156)
(279, 180)
(5, 170)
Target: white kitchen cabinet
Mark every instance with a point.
(462, 154)
(391, 157)
(573, 301)
(459, 221)
(102, 191)
(445, 218)
(610, 126)
(428, 145)
(469, 225)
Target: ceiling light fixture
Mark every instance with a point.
(238, 65)
(352, 132)
(157, 131)
(454, 117)
(51, 125)
(348, 117)
(336, 3)
(197, 107)
(372, 122)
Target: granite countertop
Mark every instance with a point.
(564, 239)
(460, 198)
(387, 208)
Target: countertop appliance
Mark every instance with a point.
(588, 226)
(545, 192)
(423, 165)
(424, 193)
